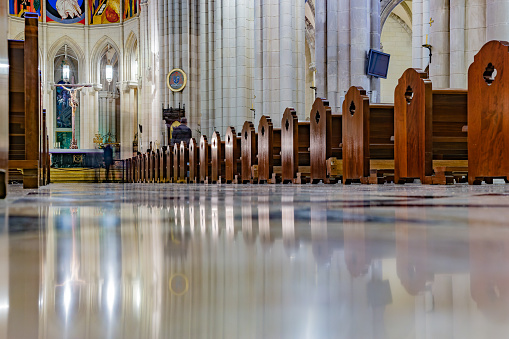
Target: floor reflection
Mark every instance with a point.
(277, 262)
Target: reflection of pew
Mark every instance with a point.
(248, 152)
(489, 285)
(368, 131)
(184, 159)
(232, 156)
(325, 140)
(217, 152)
(205, 164)
(294, 148)
(24, 104)
(194, 160)
(428, 125)
(488, 107)
(269, 151)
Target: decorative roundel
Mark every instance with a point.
(177, 80)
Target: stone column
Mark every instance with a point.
(114, 117)
(475, 26)
(497, 22)
(332, 56)
(457, 44)
(417, 33)
(375, 44)
(102, 113)
(344, 48)
(440, 39)
(359, 42)
(321, 48)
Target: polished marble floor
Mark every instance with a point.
(178, 261)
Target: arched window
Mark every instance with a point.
(65, 71)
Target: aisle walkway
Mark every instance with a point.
(194, 261)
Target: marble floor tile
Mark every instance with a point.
(248, 261)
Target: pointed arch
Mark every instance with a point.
(386, 7)
(97, 52)
(55, 48)
(130, 56)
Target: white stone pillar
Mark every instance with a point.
(114, 118)
(497, 13)
(359, 42)
(218, 68)
(457, 44)
(375, 33)
(321, 48)
(102, 113)
(417, 33)
(259, 102)
(440, 39)
(475, 29)
(332, 54)
(287, 70)
(344, 48)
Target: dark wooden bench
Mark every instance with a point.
(325, 141)
(169, 164)
(430, 139)
(205, 163)
(176, 162)
(194, 162)
(232, 147)
(184, 162)
(217, 149)
(269, 151)
(368, 139)
(488, 107)
(249, 149)
(295, 158)
(24, 104)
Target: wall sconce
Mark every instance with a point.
(109, 73)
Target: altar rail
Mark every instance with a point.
(425, 135)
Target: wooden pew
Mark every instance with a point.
(217, 151)
(269, 151)
(24, 104)
(325, 141)
(368, 133)
(295, 159)
(233, 148)
(146, 164)
(176, 162)
(205, 163)
(169, 164)
(184, 159)
(4, 101)
(194, 162)
(428, 125)
(249, 147)
(488, 107)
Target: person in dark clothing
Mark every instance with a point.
(181, 133)
(108, 160)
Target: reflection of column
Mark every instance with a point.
(24, 279)
(4, 275)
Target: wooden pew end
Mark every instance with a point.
(3, 186)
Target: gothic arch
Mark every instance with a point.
(387, 6)
(131, 53)
(57, 45)
(96, 55)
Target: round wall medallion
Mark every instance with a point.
(177, 80)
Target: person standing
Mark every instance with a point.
(108, 160)
(181, 133)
